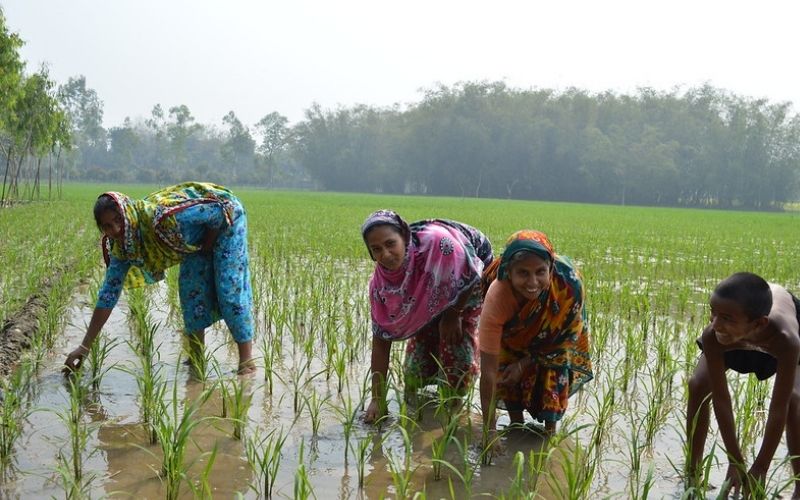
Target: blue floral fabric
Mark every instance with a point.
(211, 285)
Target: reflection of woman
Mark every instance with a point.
(424, 289)
(533, 336)
(202, 227)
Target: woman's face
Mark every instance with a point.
(386, 246)
(529, 276)
(112, 225)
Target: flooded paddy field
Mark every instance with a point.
(293, 428)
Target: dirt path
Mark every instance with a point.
(19, 329)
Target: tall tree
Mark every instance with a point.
(238, 150)
(85, 111)
(274, 141)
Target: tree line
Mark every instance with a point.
(34, 127)
(697, 147)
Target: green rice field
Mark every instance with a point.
(137, 423)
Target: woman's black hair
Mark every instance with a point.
(104, 203)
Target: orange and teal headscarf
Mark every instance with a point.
(550, 329)
(152, 240)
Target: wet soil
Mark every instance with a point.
(19, 329)
(123, 463)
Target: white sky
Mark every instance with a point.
(255, 57)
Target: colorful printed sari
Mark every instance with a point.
(441, 263)
(152, 239)
(550, 329)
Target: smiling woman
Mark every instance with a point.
(424, 288)
(533, 336)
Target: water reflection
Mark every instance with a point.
(133, 464)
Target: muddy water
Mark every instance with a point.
(120, 461)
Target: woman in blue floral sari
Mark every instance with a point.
(202, 227)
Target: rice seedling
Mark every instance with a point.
(299, 380)
(173, 299)
(439, 447)
(519, 486)
(144, 344)
(302, 484)
(264, 455)
(364, 446)
(751, 397)
(269, 356)
(315, 403)
(468, 469)
(201, 487)
(173, 426)
(348, 416)
(576, 467)
(647, 274)
(13, 412)
(139, 304)
(236, 399)
(70, 463)
(198, 357)
(54, 317)
(339, 363)
(98, 354)
(401, 469)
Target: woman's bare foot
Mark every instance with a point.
(246, 367)
(246, 362)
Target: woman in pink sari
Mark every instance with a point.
(425, 289)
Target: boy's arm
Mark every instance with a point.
(779, 405)
(721, 396)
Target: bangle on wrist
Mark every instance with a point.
(84, 348)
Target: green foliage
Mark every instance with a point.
(10, 71)
(703, 147)
(647, 271)
(33, 125)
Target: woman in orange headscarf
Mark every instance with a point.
(533, 337)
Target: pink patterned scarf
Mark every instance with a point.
(440, 264)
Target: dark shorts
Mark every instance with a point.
(760, 363)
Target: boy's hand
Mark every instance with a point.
(734, 478)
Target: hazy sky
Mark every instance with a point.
(255, 57)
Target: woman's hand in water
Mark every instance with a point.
(374, 412)
(75, 359)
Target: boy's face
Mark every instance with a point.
(729, 321)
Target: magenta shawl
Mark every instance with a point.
(440, 264)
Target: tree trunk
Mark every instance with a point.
(5, 176)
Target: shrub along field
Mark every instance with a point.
(293, 429)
